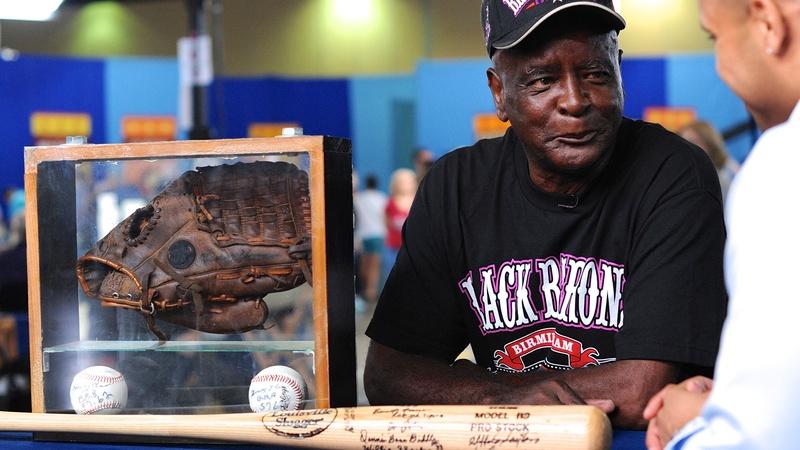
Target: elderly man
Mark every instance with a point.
(580, 254)
(756, 386)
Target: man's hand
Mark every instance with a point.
(672, 408)
(616, 381)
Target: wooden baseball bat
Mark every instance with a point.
(443, 427)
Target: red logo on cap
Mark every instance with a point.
(539, 2)
(517, 5)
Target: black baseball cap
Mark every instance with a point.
(506, 23)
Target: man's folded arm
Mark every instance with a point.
(393, 377)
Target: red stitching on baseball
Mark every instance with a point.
(101, 378)
(102, 406)
(281, 378)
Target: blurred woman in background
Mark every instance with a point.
(402, 188)
(705, 136)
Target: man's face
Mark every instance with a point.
(563, 96)
(737, 52)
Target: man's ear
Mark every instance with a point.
(770, 25)
(496, 86)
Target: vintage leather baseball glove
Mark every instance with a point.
(207, 248)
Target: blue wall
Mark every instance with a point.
(449, 94)
(373, 123)
(36, 83)
(321, 107)
(138, 86)
(693, 81)
(643, 80)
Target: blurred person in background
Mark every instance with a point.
(402, 188)
(15, 234)
(370, 207)
(357, 247)
(751, 402)
(423, 160)
(705, 136)
(13, 257)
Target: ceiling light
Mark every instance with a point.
(28, 9)
(353, 11)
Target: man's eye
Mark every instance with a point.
(542, 82)
(598, 75)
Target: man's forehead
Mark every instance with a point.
(728, 7)
(520, 60)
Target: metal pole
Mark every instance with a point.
(199, 128)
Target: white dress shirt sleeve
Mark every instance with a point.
(756, 394)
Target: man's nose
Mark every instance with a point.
(574, 99)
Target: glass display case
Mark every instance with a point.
(189, 267)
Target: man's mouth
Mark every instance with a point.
(578, 138)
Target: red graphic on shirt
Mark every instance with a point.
(511, 358)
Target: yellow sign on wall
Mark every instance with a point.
(148, 128)
(669, 117)
(268, 129)
(58, 125)
(485, 126)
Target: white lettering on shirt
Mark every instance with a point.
(579, 291)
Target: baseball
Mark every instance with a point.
(98, 390)
(277, 388)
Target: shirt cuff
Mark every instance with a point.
(679, 440)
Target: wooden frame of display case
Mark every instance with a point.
(50, 191)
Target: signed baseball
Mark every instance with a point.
(277, 388)
(98, 390)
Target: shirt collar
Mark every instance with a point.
(795, 115)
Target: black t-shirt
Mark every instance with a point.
(631, 269)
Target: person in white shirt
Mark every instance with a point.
(751, 402)
(370, 204)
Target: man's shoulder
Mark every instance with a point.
(483, 150)
(470, 162)
(462, 178)
(655, 137)
(772, 163)
(780, 141)
(656, 152)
